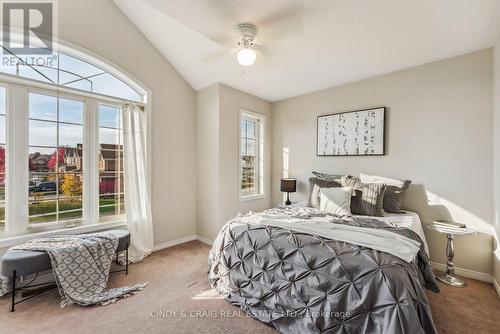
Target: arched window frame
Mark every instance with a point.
(18, 88)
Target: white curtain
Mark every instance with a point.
(137, 201)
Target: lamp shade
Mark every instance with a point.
(288, 185)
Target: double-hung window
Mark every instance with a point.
(251, 155)
(62, 143)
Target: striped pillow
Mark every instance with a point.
(369, 196)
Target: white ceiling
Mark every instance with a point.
(310, 44)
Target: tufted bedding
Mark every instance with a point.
(305, 283)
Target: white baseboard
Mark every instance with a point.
(496, 286)
(465, 272)
(179, 241)
(204, 240)
(175, 242)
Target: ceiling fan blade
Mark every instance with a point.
(262, 49)
(282, 23)
(217, 56)
(264, 60)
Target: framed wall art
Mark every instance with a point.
(353, 133)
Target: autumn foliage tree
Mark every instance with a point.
(71, 186)
(57, 158)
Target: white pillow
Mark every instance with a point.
(365, 178)
(336, 200)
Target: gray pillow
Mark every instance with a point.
(328, 176)
(394, 192)
(369, 196)
(315, 185)
(393, 197)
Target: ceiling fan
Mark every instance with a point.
(246, 55)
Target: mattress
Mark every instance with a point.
(409, 220)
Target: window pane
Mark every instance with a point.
(2, 189)
(70, 135)
(2, 162)
(43, 186)
(39, 159)
(70, 185)
(3, 139)
(33, 73)
(43, 107)
(77, 66)
(109, 116)
(250, 147)
(42, 133)
(107, 84)
(7, 65)
(243, 147)
(42, 211)
(70, 111)
(3, 106)
(250, 130)
(248, 173)
(110, 161)
(111, 205)
(110, 137)
(70, 208)
(110, 183)
(80, 84)
(49, 74)
(72, 159)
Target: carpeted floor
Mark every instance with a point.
(179, 300)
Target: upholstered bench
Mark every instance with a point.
(17, 263)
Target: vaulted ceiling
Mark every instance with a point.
(309, 45)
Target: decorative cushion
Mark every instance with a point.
(368, 199)
(336, 200)
(315, 184)
(395, 191)
(335, 177)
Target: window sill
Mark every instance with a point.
(19, 239)
(244, 198)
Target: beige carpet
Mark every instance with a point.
(179, 300)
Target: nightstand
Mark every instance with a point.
(451, 229)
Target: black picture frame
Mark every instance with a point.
(382, 110)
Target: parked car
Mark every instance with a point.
(42, 187)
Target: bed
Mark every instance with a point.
(408, 219)
(302, 270)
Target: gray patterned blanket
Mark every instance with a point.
(81, 265)
(304, 283)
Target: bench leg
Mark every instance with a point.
(12, 308)
(126, 259)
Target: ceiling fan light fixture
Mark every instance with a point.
(246, 57)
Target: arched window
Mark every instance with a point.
(61, 113)
(68, 71)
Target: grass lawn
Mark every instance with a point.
(67, 205)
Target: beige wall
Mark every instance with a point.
(439, 135)
(226, 134)
(207, 194)
(98, 25)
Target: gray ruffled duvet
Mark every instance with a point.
(301, 283)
